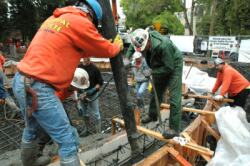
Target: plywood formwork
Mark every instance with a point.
(195, 134)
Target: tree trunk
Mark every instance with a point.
(190, 28)
(120, 77)
(192, 17)
(213, 9)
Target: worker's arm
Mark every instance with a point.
(227, 78)
(130, 52)
(91, 42)
(217, 83)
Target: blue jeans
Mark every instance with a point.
(91, 109)
(2, 89)
(50, 115)
(140, 89)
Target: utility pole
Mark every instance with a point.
(120, 77)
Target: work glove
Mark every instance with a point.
(118, 41)
(147, 73)
(127, 63)
(218, 98)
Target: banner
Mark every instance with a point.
(222, 43)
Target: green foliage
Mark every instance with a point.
(140, 13)
(171, 22)
(4, 22)
(23, 17)
(231, 17)
(45, 8)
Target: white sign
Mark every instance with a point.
(222, 43)
(183, 43)
(244, 51)
(204, 46)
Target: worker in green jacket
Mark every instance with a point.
(166, 62)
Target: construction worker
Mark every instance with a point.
(166, 62)
(90, 101)
(2, 90)
(141, 73)
(234, 84)
(5, 98)
(48, 66)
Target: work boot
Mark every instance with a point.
(170, 133)
(85, 131)
(29, 155)
(71, 162)
(148, 119)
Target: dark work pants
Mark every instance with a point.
(242, 99)
(174, 84)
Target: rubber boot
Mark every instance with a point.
(98, 126)
(85, 131)
(29, 155)
(134, 144)
(170, 133)
(71, 162)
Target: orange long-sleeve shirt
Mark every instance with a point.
(57, 47)
(231, 81)
(2, 61)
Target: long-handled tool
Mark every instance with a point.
(156, 100)
(207, 97)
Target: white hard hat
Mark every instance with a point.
(218, 61)
(137, 55)
(80, 79)
(139, 39)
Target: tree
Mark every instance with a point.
(140, 13)
(232, 17)
(4, 21)
(171, 22)
(45, 8)
(23, 17)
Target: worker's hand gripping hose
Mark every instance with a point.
(118, 41)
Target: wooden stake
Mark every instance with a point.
(203, 112)
(208, 97)
(158, 136)
(178, 157)
(186, 135)
(210, 130)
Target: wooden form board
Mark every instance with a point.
(196, 133)
(158, 136)
(203, 112)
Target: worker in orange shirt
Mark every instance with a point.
(48, 66)
(233, 83)
(2, 90)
